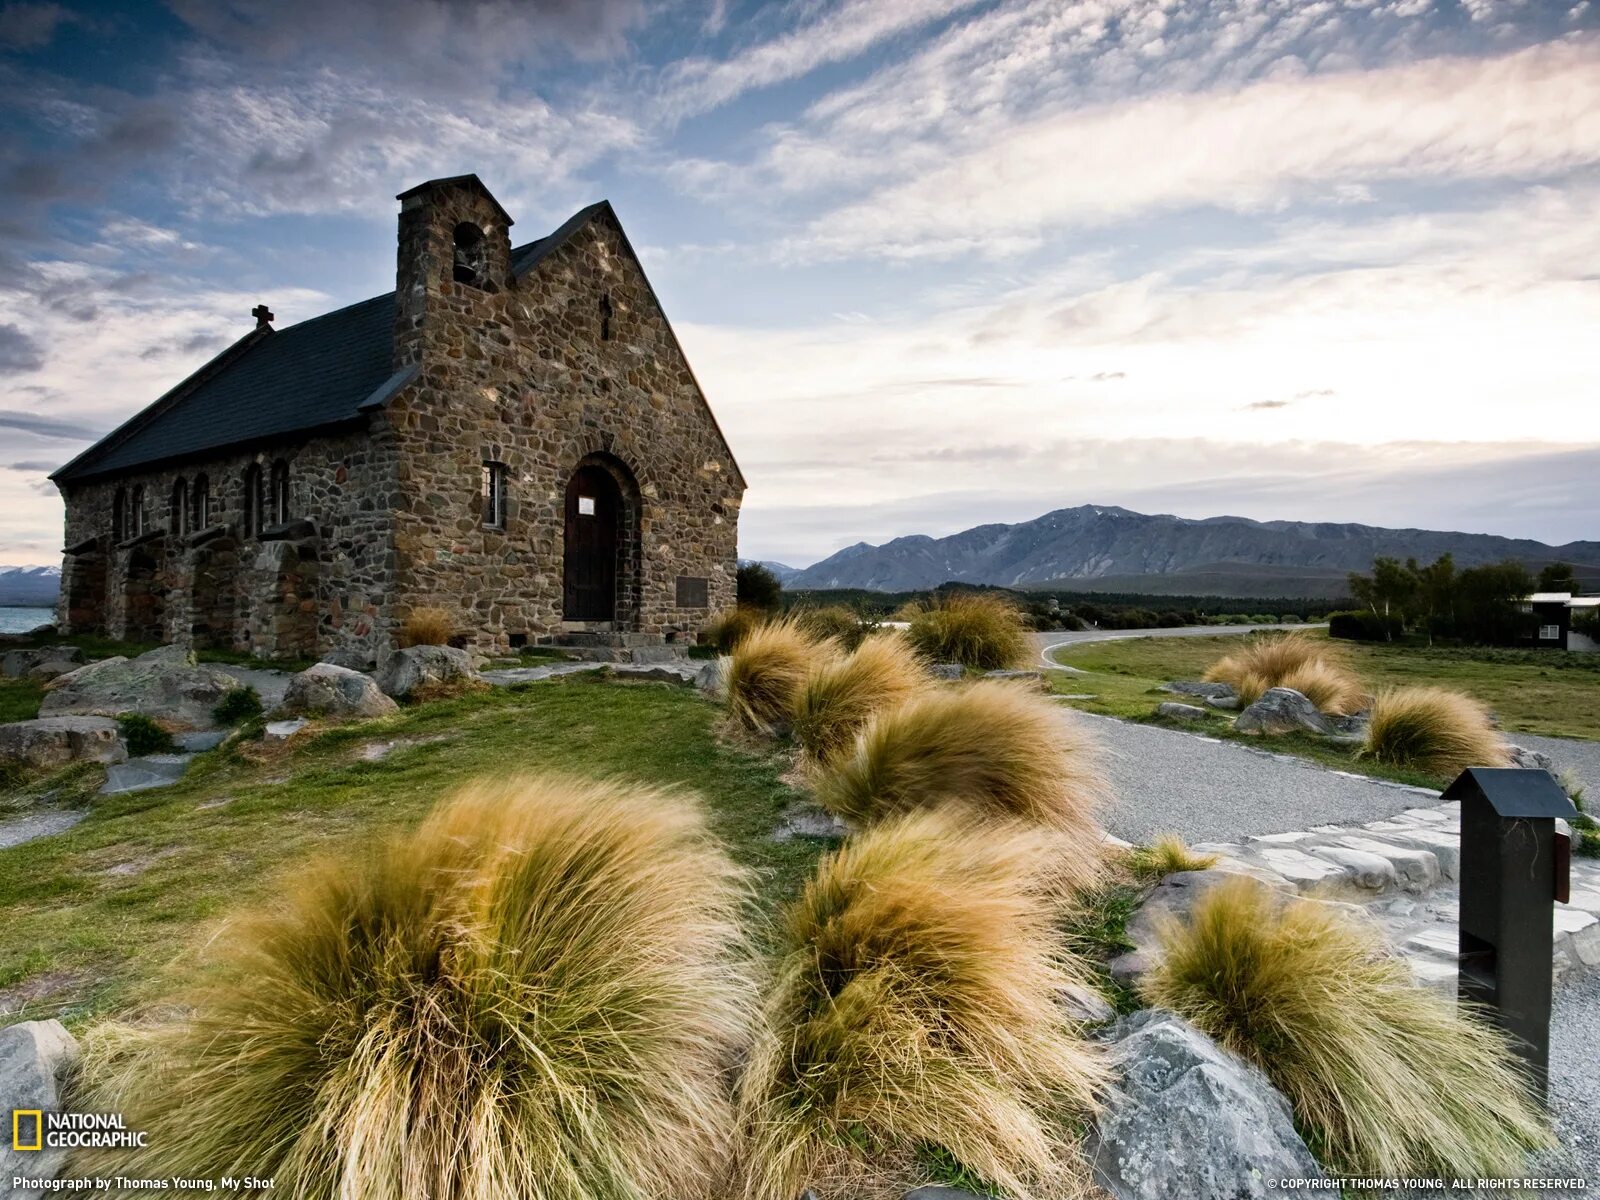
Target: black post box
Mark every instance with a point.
(1512, 869)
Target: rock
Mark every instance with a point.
(54, 669)
(279, 731)
(1192, 1120)
(1354, 725)
(50, 742)
(709, 679)
(1084, 1004)
(142, 774)
(1202, 689)
(35, 1057)
(352, 660)
(1226, 703)
(200, 740)
(947, 670)
(15, 664)
(1035, 679)
(405, 670)
(1522, 756)
(656, 672)
(809, 820)
(165, 685)
(935, 1191)
(326, 690)
(1282, 710)
(1180, 712)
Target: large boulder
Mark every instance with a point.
(1201, 688)
(402, 672)
(355, 660)
(15, 664)
(1282, 710)
(711, 679)
(165, 685)
(1190, 1119)
(325, 690)
(51, 742)
(35, 1057)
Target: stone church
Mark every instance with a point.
(513, 435)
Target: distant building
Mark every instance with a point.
(512, 434)
(1554, 614)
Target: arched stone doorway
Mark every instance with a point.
(213, 606)
(144, 598)
(600, 546)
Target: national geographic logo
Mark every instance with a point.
(33, 1129)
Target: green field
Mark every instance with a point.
(1546, 692)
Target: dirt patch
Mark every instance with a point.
(47, 991)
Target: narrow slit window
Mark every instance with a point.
(494, 495)
(280, 493)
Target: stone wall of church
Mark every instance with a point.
(320, 582)
(571, 361)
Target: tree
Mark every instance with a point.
(757, 587)
(1558, 577)
(1433, 590)
(1388, 591)
(1489, 603)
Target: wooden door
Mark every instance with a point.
(590, 568)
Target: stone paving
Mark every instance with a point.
(1404, 870)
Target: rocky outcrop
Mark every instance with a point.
(1190, 1119)
(353, 660)
(1201, 688)
(406, 670)
(165, 685)
(52, 742)
(16, 664)
(35, 1057)
(1282, 710)
(1522, 756)
(325, 690)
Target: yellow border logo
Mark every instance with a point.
(16, 1128)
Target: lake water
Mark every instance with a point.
(20, 620)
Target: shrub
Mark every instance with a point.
(1288, 660)
(834, 621)
(426, 627)
(238, 706)
(975, 629)
(1432, 730)
(1361, 625)
(755, 586)
(993, 745)
(1166, 855)
(1331, 688)
(143, 736)
(727, 629)
(840, 695)
(914, 1010)
(1390, 1079)
(536, 993)
(765, 673)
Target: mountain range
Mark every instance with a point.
(1105, 548)
(29, 587)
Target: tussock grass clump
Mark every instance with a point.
(840, 695)
(1433, 730)
(727, 629)
(914, 1008)
(143, 736)
(843, 625)
(993, 745)
(1392, 1080)
(975, 629)
(1166, 855)
(427, 627)
(766, 671)
(1290, 660)
(237, 706)
(537, 993)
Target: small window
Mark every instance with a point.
(586, 506)
(279, 507)
(200, 503)
(1549, 633)
(251, 506)
(178, 519)
(136, 512)
(468, 255)
(494, 495)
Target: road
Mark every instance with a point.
(1047, 642)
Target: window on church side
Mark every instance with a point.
(252, 506)
(200, 503)
(494, 495)
(279, 507)
(178, 519)
(136, 511)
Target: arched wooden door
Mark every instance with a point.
(594, 506)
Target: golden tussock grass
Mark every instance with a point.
(993, 745)
(1291, 660)
(537, 993)
(766, 671)
(1166, 855)
(834, 621)
(1433, 730)
(730, 627)
(1389, 1078)
(840, 695)
(975, 629)
(914, 1006)
(427, 627)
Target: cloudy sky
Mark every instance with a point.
(937, 262)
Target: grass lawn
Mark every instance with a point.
(96, 916)
(1531, 691)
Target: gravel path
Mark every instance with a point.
(1569, 754)
(1045, 642)
(1574, 1082)
(1209, 791)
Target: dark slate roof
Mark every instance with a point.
(270, 383)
